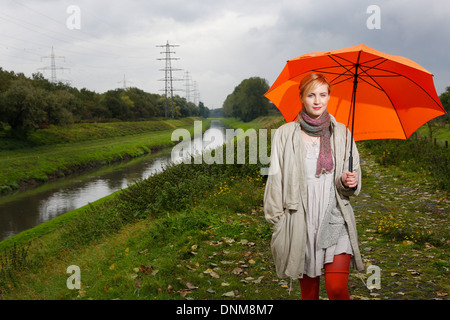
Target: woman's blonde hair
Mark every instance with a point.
(311, 82)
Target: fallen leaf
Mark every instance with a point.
(190, 286)
(251, 261)
(183, 293)
(237, 271)
(212, 273)
(258, 281)
(229, 294)
(228, 240)
(414, 272)
(145, 269)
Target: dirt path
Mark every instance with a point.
(404, 230)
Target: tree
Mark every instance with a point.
(247, 101)
(144, 104)
(117, 103)
(203, 111)
(227, 107)
(445, 100)
(60, 107)
(24, 107)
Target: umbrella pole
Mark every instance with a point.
(355, 86)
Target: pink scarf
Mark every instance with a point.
(319, 128)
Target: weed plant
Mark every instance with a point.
(12, 261)
(416, 155)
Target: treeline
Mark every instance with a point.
(27, 104)
(247, 101)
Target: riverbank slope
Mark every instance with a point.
(57, 152)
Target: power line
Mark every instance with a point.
(64, 38)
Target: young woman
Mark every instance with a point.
(307, 196)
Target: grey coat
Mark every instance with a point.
(285, 198)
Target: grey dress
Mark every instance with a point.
(319, 191)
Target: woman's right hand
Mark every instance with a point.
(349, 179)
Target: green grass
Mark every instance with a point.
(46, 162)
(441, 134)
(89, 131)
(258, 123)
(198, 232)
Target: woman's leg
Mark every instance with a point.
(336, 277)
(309, 288)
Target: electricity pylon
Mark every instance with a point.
(196, 94)
(168, 79)
(124, 82)
(187, 84)
(53, 66)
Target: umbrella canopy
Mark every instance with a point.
(377, 95)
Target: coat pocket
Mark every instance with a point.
(331, 229)
(280, 243)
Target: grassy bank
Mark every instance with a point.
(198, 232)
(59, 152)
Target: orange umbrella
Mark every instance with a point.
(377, 95)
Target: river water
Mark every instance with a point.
(24, 210)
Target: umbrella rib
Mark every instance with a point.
(343, 66)
(395, 74)
(393, 105)
(371, 84)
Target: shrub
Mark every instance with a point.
(416, 155)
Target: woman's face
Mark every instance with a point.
(315, 103)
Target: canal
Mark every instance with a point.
(24, 210)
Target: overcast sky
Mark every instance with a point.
(220, 42)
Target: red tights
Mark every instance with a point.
(336, 280)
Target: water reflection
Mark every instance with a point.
(27, 209)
